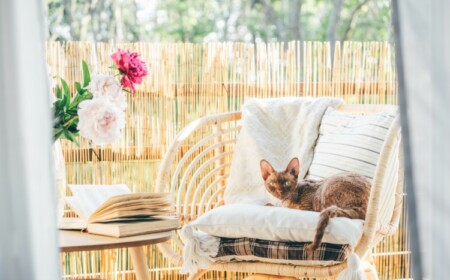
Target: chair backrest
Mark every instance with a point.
(197, 163)
(387, 192)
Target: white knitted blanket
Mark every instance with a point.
(276, 130)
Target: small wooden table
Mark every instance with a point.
(75, 241)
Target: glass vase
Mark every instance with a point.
(60, 177)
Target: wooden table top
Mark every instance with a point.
(72, 241)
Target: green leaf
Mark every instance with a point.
(58, 92)
(86, 96)
(86, 74)
(70, 136)
(72, 112)
(57, 133)
(74, 104)
(70, 120)
(76, 143)
(66, 92)
(57, 121)
(63, 102)
(78, 99)
(73, 127)
(58, 106)
(78, 87)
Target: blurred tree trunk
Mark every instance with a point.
(226, 20)
(58, 22)
(86, 26)
(69, 8)
(352, 18)
(274, 19)
(334, 21)
(134, 11)
(296, 10)
(117, 22)
(332, 26)
(95, 18)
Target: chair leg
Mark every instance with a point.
(268, 277)
(369, 270)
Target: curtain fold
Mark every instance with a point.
(424, 44)
(28, 247)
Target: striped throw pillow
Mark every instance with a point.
(349, 143)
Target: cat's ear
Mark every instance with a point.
(293, 167)
(266, 169)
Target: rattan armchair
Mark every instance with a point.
(195, 170)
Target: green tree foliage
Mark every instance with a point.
(200, 21)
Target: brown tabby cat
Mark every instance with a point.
(342, 195)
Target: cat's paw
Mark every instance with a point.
(311, 247)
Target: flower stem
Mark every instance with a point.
(91, 145)
(97, 155)
(70, 121)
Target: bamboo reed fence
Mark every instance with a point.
(187, 81)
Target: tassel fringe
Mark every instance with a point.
(199, 250)
(354, 270)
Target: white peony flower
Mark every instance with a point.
(101, 120)
(103, 85)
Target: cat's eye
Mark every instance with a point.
(272, 184)
(287, 184)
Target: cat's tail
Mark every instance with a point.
(324, 219)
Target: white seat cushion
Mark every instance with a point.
(276, 224)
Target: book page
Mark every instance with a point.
(90, 197)
(138, 200)
(125, 214)
(139, 209)
(73, 204)
(72, 224)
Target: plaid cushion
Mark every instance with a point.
(281, 250)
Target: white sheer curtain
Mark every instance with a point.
(28, 247)
(424, 48)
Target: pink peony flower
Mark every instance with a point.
(131, 67)
(103, 85)
(100, 120)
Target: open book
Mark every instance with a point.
(115, 211)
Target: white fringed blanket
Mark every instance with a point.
(275, 129)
